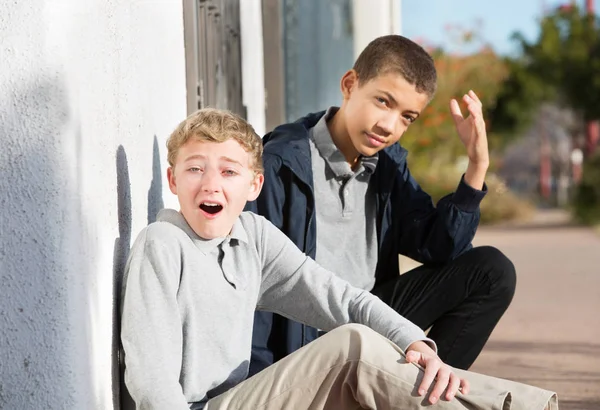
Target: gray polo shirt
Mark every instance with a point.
(345, 209)
(188, 306)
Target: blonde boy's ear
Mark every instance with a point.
(256, 187)
(348, 82)
(171, 178)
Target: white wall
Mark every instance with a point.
(372, 19)
(253, 72)
(90, 91)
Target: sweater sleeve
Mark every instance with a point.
(295, 286)
(151, 330)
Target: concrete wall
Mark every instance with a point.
(90, 91)
(253, 72)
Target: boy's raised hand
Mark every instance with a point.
(445, 382)
(471, 130)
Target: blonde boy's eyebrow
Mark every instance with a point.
(195, 156)
(223, 158)
(233, 161)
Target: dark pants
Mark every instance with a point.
(462, 301)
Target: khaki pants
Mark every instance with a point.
(353, 367)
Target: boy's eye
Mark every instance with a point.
(229, 172)
(409, 119)
(381, 100)
(194, 169)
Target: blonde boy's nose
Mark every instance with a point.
(210, 181)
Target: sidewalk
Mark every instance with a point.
(550, 335)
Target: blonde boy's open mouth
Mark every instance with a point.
(211, 208)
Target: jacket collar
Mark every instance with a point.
(290, 142)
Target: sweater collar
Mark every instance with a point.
(238, 233)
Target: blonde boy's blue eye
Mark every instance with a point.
(229, 172)
(194, 169)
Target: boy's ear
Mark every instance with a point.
(255, 187)
(348, 83)
(171, 179)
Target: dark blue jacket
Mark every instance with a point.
(407, 222)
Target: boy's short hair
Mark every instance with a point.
(397, 54)
(215, 125)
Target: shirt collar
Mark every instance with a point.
(238, 232)
(330, 152)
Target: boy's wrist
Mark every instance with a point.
(475, 175)
(467, 198)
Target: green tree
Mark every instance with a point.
(562, 65)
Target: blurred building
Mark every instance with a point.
(539, 165)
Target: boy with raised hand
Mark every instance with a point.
(338, 185)
(194, 278)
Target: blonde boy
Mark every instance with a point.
(195, 277)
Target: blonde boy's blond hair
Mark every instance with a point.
(214, 125)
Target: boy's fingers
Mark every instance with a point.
(465, 387)
(474, 109)
(441, 383)
(474, 96)
(455, 110)
(413, 357)
(431, 370)
(453, 386)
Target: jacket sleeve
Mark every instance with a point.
(431, 234)
(151, 330)
(269, 204)
(271, 200)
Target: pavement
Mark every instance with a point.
(550, 335)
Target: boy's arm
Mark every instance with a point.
(437, 234)
(151, 330)
(295, 286)
(448, 232)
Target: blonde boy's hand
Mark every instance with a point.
(471, 130)
(436, 372)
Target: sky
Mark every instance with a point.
(495, 20)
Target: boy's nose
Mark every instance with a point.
(387, 124)
(210, 182)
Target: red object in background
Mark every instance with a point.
(593, 127)
(592, 137)
(545, 178)
(565, 8)
(545, 167)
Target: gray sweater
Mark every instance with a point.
(188, 303)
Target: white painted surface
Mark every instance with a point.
(253, 72)
(90, 92)
(372, 19)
